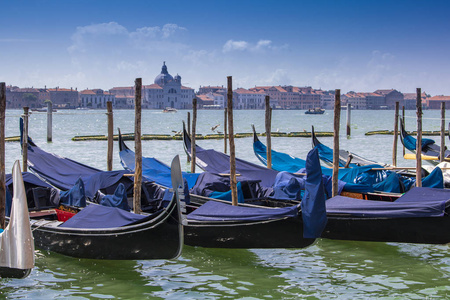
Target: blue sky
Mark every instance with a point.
(350, 45)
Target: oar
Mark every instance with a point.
(424, 157)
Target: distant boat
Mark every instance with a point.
(315, 111)
(169, 109)
(42, 109)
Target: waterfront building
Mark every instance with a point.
(219, 99)
(435, 102)
(326, 99)
(356, 100)
(35, 97)
(390, 97)
(247, 99)
(166, 91)
(96, 98)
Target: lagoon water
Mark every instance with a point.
(327, 270)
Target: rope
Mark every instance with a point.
(408, 117)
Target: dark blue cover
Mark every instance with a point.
(280, 161)
(425, 194)
(118, 199)
(384, 209)
(410, 142)
(63, 173)
(313, 204)
(76, 196)
(27, 178)
(99, 216)
(221, 212)
(217, 162)
(153, 169)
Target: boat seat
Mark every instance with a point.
(42, 198)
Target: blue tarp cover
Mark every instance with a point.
(384, 209)
(153, 169)
(313, 204)
(425, 194)
(217, 162)
(215, 211)
(280, 161)
(76, 196)
(98, 216)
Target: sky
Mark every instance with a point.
(356, 46)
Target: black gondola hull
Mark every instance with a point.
(159, 238)
(427, 230)
(282, 233)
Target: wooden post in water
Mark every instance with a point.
(25, 139)
(109, 158)
(49, 121)
(137, 146)
(442, 155)
(194, 124)
(349, 111)
(394, 148)
(188, 131)
(234, 196)
(403, 123)
(419, 139)
(337, 117)
(2, 154)
(225, 130)
(268, 133)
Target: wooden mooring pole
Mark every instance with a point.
(419, 139)
(188, 131)
(349, 111)
(225, 117)
(442, 155)
(403, 123)
(234, 196)
(394, 147)
(194, 125)
(337, 117)
(2, 154)
(49, 121)
(25, 139)
(268, 133)
(109, 157)
(137, 146)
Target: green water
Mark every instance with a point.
(326, 270)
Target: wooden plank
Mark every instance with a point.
(268, 132)
(394, 146)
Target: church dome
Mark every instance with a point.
(164, 77)
(177, 78)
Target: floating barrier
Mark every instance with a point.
(130, 136)
(391, 132)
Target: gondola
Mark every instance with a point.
(430, 151)
(346, 158)
(16, 241)
(216, 223)
(418, 216)
(380, 176)
(98, 231)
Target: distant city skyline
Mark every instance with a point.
(349, 45)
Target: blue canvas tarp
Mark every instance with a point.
(383, 209)
(153, 169)
(98, 216)
(313, 204)
(220, 212)
(280, 161)
(216, 162)
(425, 194)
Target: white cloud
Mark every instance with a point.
(231, 45)
(261, 45)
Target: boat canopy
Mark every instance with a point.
(218, 212)
(383, 209)
(153, 169)
(99, 216)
